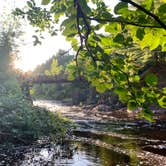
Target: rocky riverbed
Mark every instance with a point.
(100, 138)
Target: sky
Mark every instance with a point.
(30, 55)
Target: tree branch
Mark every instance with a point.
(155, 17)
(81, 39)
(122, 22)
(84, 37)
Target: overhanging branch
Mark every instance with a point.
(123, 22)
(83, 36)
(155, 17)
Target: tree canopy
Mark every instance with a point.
(113, 46)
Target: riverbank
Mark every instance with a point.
(96, 140)
(141, 141)
(101, 113)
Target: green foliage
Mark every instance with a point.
(162, 101)
(116, 48)
(162, 9)
(131, 105)
(151, 80)
(140, 33)
(147, 114)
(148, 4)
(20, 120)
(121, 8)
(55, 68)
(122, 93)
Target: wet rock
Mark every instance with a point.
(101, 108)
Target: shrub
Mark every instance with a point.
(22, 121)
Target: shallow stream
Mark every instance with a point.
(96, 142)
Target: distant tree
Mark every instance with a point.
(55, 69)
(9, 33)
(58, 66)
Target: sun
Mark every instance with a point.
(24, 66)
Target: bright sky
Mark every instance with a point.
(31, 56)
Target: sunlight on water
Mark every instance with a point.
(44, 153)
(83, 155)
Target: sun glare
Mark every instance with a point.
(24, 66)
(31, 56)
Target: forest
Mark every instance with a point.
(101, 102)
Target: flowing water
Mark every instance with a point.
(96, 142)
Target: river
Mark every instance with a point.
(98, 142)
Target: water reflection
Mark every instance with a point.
(102, 156)
(83, 155)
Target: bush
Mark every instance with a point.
(26, 123)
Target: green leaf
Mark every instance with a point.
(101, 88)
(164, 90)
(162, 101)
(29, 4)
(119, 38)
(162, 8)
(152, 39)
(148, 4)
(163, 44)
(147, 114)
(84, 6)
(155, 43)
(140, 33)
(131, 105)
(109, 86)
(151, 79)
(122, 93)
(69, 32)
(136, 78)
(122, 78)
(142, 19)
(45, 2)
(107, 15)
(113, 27)
(18, 12)
(120, 8)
